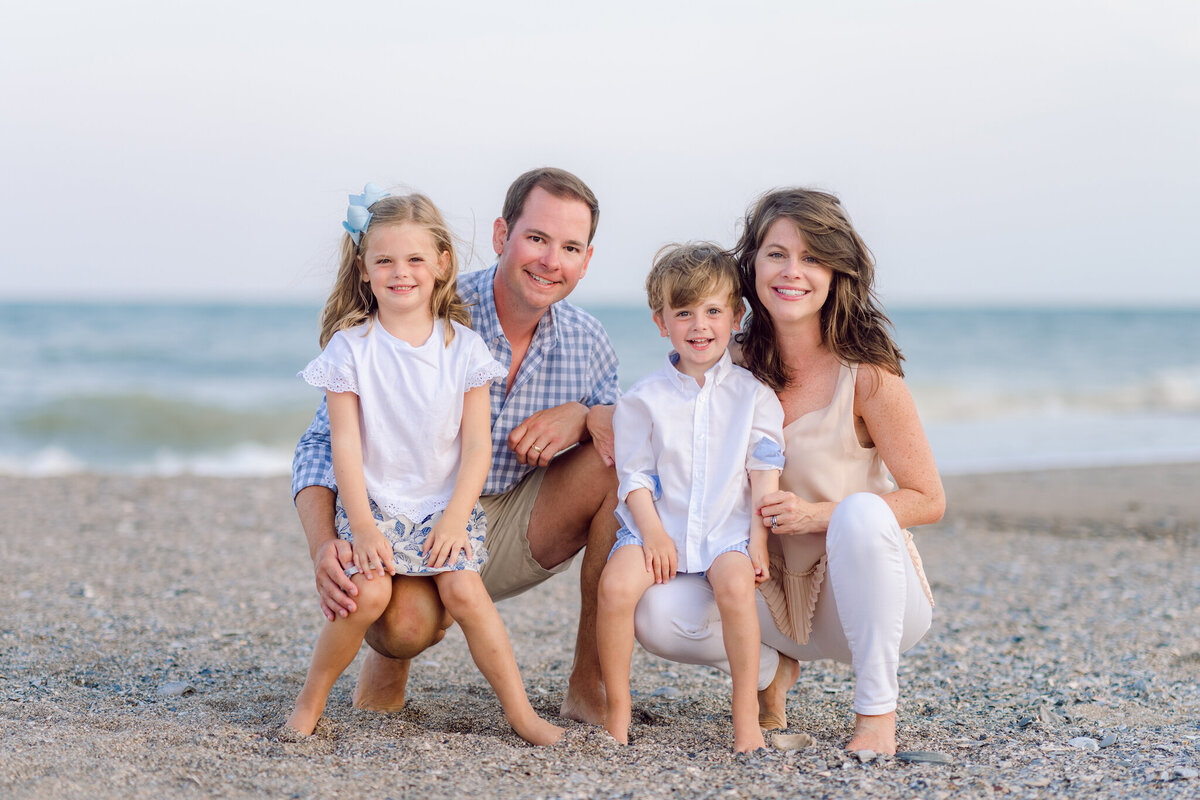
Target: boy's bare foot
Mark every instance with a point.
(581, 704)
(536, 730)
(875, 732)
(617, 724)
(381, 682)
(749, 744)
(772, 701)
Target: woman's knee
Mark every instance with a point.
(863, 522)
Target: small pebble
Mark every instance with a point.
(1108, 741)
(792, 741)
(665, 691)
(1084, 743)
(1186, 773)
(176, 689)
(923, 757)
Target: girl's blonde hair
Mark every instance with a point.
(351, 302)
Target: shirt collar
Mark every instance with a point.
(714, 375)
(545, 335)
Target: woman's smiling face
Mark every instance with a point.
(790, 282)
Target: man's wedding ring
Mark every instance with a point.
(535, 447)
(774, 520)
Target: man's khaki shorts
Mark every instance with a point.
(511, 568)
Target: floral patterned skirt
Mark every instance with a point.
(407, 538)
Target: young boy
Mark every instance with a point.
(698, 444)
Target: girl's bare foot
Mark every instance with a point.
(749, 744)
(874, 732)
(536, 730)
(381, 682)
(772, 701)
(302, 722)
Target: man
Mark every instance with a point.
(543, 505)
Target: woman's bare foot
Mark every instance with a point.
(381, 682)
(772, 701)
(536, 730)
(874, 732)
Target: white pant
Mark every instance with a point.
(871, 609)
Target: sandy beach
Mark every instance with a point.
(154, 632)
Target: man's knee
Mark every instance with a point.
(413, 621)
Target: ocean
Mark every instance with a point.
(211, 389)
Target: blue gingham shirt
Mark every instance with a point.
(570, 359)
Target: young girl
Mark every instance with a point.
(406, 383)
(698, 444)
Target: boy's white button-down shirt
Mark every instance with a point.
(692, 446)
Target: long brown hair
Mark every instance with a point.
(853, 324)
(351, 302)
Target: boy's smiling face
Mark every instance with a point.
(699, 331)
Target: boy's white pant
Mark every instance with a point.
(871, 609)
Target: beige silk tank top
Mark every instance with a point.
(823, 462)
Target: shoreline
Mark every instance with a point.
(155, 630)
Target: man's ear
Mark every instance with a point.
(499, 235)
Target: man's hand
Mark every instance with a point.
(600, 426)
(336, 590)
(548, 432)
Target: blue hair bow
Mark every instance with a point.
(358, 216)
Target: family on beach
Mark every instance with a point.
(733, 508)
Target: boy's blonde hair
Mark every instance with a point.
(351, 301)
(682, 274)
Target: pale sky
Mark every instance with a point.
(1008, 153)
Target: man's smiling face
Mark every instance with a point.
(545, 253)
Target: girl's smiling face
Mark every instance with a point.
(789, 280)
(402, 265)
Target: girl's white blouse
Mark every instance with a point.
(410, 404)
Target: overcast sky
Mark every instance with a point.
(990, 152)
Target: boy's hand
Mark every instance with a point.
(373, 552)
(661, 556)
(445, 541)
(760, 560)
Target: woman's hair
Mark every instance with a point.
(683, 274)
(351, 301)
(853, 324)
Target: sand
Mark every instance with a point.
(154, 632)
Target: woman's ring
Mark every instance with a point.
(774, 520)
(535, 447)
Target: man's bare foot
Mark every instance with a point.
(381, 682)
(584, 705)
(876, 732)
(772, 701)
(536, 730)
(751, 743)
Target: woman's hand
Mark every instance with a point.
(373, 552)
(443, 544)
(785, 513)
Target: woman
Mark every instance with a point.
(846, 580)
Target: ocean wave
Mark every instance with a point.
(142, 423)
(1167, 391)
(240, 461)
